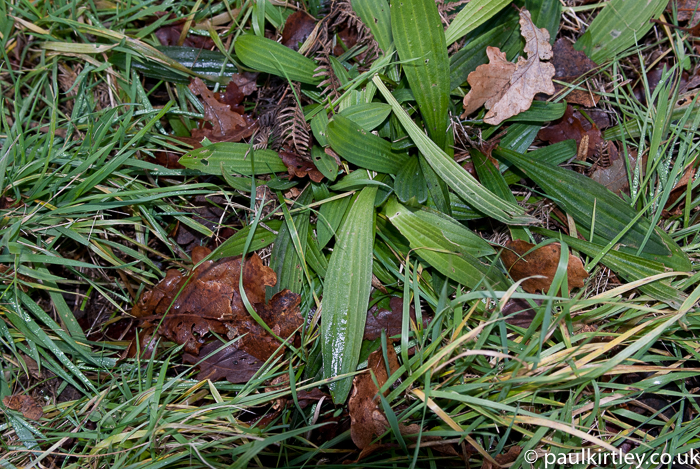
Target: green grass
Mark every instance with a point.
(87, 224)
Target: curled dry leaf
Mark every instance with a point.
(507, 89)
(366, 418)
(299, 167)
(208, 300)
(26, 404)
(542, 261)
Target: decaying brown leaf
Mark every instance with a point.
(508, 457)
(26, 404)
(573, 125)
(518, 312)
(208, 300)
(542, 261)
(226, 124)
(570, 65)
(245, 82)
(299, 167)
(387, 319)
(297, 29)
(232, 364)
(507, 89)
(366, 418)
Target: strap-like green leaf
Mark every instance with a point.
(362, 148)
(474, 14)
(453, 174)
(266, 55)
(578, 195)
(420, 42)
(628, 266)
(346, 294)
(375, 14)
(368, 115)
(446, 245)
(235, 157)
(618, 26)
(284, 259)
(410, 182)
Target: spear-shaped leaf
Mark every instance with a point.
(456, 177)
(346, 293)
(582, 197)
(420, 42)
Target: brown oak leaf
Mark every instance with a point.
(542, 261)
(299, 167)
(507, 89)
(222, 119)
(26, 404)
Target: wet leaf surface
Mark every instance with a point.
(542, 261)
(29, 407)
(507, 89)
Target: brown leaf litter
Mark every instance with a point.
(390, 320)
(185, 308)
(505, 88)
(29, 407)
(299, 167)
(573, 125)
(542, 261)
(297, 29)
(570, 65)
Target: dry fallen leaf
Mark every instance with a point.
(507, 89)
(26, 404)
(208, 300)
(231, 364)
(542, 261)
(573, 125)
(570, 65)
(505, 458)
(223, 124)
(299, 167)
(297, 28)
(387, 319)
(366, 418)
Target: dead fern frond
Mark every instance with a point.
(294, 130)
(330, 83)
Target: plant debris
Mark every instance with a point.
(542, 261)
(208, 300)
(571, 126)
(507, 89)
(224, 124)
(366, 418)
(29, 407)
(570, 66)
(390, 320)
